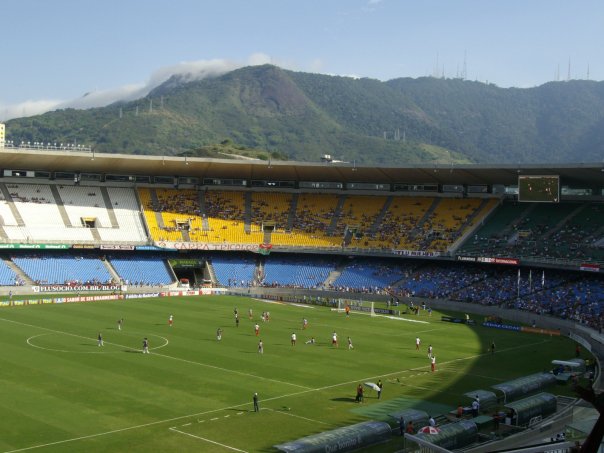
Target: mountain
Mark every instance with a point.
(303, 116)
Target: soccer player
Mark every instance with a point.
(257, 329)
(100, 340)
(433, 363)
(145, 346)
(304, 323)
(380, 385)
(255, 400)
(350, 346)
(492, 346)
(293, 338)
(170, 320)
(430, 351)
(311, 341)
(260, 347)
(417, 343)
(219, 334)
(347, 310)
(249, 313)
(119, 323)
(334, 339)
(237, 319)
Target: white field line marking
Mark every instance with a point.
(206, 440)
(294, 415)
(403, 319)
(29, 342)
(81, 336)
(231, 371)
(237, 406)
(163, 355)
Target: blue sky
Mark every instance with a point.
(55, 51)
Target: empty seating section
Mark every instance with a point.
(269, 207)
(126, 209)
(64, 269)
(7, 275)
(84, 202)
(43, 222)
(137, 270)
(297, 272)
(313, 216)
(234, 270)
(6, 215)
(370, 276)
(400, 219)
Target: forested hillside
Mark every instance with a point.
(265, 110)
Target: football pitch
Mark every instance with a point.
(60, 391)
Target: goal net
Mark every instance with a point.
(357, 305)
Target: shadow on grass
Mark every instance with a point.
(344, 399)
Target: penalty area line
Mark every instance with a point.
(206, 440)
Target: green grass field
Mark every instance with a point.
(61, 392)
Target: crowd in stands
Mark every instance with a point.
(297, 272)
(371, 276)
(565, 231)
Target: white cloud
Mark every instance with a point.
(188, 71)
(27, 108)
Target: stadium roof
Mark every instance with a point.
(591, 174)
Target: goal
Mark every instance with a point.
(357, 305)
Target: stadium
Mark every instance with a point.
(498, 268)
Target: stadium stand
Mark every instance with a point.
(64, 269)
(371, 276)
(7, 275)
(234, 270)
(141, 270)
(297, 271)
(565, 231)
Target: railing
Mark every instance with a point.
(40, 146)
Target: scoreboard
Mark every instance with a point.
(539, 188)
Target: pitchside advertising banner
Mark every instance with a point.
(98, 297)
(415, 253)
(36, 246)
(211, 247)
(526, 329)
(589, 267)
(489, 260)
(77, 288)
